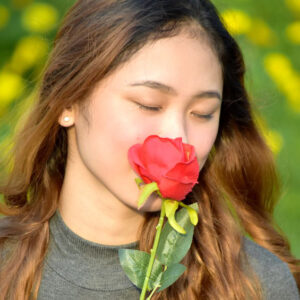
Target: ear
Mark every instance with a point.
(67, 117)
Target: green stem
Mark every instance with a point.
(153, 250)
(152, 292)
(183, 205)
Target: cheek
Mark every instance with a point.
(123, 125)
(115, 129)
(203, 140)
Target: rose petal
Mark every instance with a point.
(134, 157)
(191, 150)
(159, 155)
(173, 189)
(168, 162)
(146, 176)
(185, 172)
(180, 147)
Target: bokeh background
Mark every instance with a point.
(268, 33)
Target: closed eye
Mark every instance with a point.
(158, 108)
(154, 108)
(209, 116)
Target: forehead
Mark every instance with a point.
(180, 61)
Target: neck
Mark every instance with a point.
(93, 212)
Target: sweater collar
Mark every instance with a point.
(83, 262)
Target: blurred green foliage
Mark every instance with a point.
(268, 33)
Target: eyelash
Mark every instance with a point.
(153, 108)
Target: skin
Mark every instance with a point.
(99, 196)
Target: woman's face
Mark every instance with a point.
(168, 74)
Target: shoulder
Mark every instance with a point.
(275, 275)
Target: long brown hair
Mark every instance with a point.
(238, 186)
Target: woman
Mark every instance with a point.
(120, 71)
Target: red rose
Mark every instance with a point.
(168, 162)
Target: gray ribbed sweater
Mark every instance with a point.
(76, 268)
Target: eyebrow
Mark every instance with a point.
(171, 91)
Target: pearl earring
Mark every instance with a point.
(66, 119)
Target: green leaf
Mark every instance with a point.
(171, 207)
(169, 276)
(138, 181)
(135, 264)
(146, 191)
(173, 246)
(193, 214)
(155, 278)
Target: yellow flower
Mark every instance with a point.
(11, 86)
(40, 17)
(275, 62)
(292, 91)
(273, 138)
(29, 51)
(294, 6)
(280, 69)
(293, 32)
(236, 21)
(4, 16)
(261, 34)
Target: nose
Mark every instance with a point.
(173, 126)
